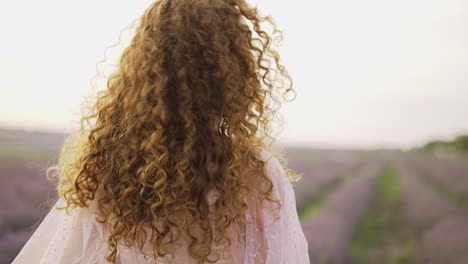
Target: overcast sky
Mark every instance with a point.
(368, 73)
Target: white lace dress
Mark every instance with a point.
(79, 238)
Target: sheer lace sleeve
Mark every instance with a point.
(66, 238)
(285, 238)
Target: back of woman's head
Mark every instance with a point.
(186, 111)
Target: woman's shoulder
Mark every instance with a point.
(274, 168)
(268, 156)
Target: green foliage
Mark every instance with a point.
(314, 203)
(30, 154)
(312, 209)
(383, 236)
(447, 192)
(459, 144)
(30, 145)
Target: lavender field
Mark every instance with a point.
(355, 206)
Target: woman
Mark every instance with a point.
(170, 165)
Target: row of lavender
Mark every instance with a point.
(322, 170)
(24, 193)
(441, 226)
(449, 172)
(329, 231)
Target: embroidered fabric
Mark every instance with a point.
(78, 238)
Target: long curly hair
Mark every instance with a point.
(186, 111)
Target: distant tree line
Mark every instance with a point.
(460, 143)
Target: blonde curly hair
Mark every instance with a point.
(185, 112)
